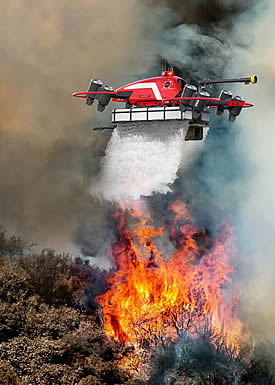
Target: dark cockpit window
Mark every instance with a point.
(181, 83)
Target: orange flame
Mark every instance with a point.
(151, 297)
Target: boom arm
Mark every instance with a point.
(207, 82)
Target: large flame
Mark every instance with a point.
(152, 297)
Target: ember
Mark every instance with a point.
(152, 298)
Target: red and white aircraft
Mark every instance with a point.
(168, 90)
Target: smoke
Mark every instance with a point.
(49, 157)
(257, 211)
(198, 37)
(234, 175)
(206, 39)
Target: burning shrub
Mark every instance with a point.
(175, 311)
(152, 298)
(166, 321)
(47, 336)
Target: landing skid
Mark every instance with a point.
(105, 128)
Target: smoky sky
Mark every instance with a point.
(49, 157)
(198, 36)
(206, 12)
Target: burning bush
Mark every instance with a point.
(179, 313)
(151, 298)
(47, 336)
(173, 311)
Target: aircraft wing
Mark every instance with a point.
(113, 94)
(214, 102)
(103, 97)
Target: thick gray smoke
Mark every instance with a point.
(197, 37)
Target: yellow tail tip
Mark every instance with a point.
(254, 79)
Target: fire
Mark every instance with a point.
(152, 297)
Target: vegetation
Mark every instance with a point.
(48, 333)
(194, 361)
(51, 331)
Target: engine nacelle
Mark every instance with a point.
(187, 92)
(199, 105)
(104, 99)
(235, 111)
(94, 86)
(224, 96)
